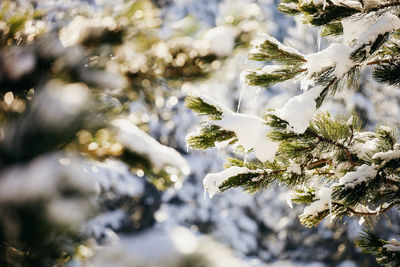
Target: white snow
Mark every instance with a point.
(18, 62)
(316, 2)
(294, 168)
(364, 143)
(113, 175)
(268, 69)
(109, 219)
(386, 23)
(80, 27)
(394, 245)
(42, 177)
(251, 131)
(387, 156)
(352, 28)
(58, 103)
(213, 181)
(161, 247)
(221, 40)
(364, 173)
(323, 203)
(299, 110)
(140, 142)
(336, 55)
(365, 30)
(45, 178)
(350, 3)
(289, 5)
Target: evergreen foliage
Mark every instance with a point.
(69, 77)
(331, 164)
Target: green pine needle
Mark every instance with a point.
(202, 108)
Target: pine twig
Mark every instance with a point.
(368, 213)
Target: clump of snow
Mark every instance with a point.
(80, 28)
(393, 245)
(251, 131)
(364, 143)
(336, 55)
(387, 156)
(294, 168)
(352, 28)
(45, 178)
(68, 211)
(140, 142)
(349, 3)
(18, 62)
(364, 30)
(58, 103)
(363, 174)
(323, 203)
(162, 248)
(386, 23)
(213, 181)
(299, 110)
(42, 178)
(268, 69)
(289, 5)
(113, 175)
(221, 40)
(109, 219)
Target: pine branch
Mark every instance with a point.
(261, 78)
(208, 135)
(386, 253)
(272, 50)
(358, 213)
(388, 73)
(203, 108)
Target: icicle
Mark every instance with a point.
(319, 39)
(187, 148)
(240, 100)
(289, 196)
(204, 194)
(245, 160)
(257, 93)
(330, 209)
(324, 7)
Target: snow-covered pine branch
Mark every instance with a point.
(331, 164)
(333, 68)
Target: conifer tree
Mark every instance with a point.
(69, 77)
(330, 163)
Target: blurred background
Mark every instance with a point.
(94, 168)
